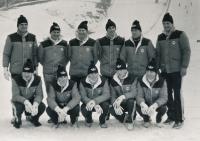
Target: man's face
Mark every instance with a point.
(151, 75)
(23, 27)
(82, 33)
(55, 34)
(93, 78)
(62, 80)
(122, 73)
(167, 26)
(135, 33)
(111, 31)
(27, 76)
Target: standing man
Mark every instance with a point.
(27, 96)
(95, 94)
(52, 52)
(109, 48)
(63, 99)
(138, 51)
(123, 94)
(173, 55)
(19, 47)
(82, 51)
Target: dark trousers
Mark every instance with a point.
(19, 108)
(76, 79)
(174, 103)
(74, 113)
(88, 114)
(128, 106)
(160, 112)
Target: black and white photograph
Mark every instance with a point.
(112, 70)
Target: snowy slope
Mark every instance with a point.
(40, 18)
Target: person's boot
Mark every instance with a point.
(178, 125)
(168, 121)
(17, 123)
(104, 125)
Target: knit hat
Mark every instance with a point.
(83, 24)
(120, 64)
(136, 25)
(61, 71)
(28, 66)
(152, 66)
(110, 23)
(21, 19)
(168, 18)
(92, 68)
(55, 26)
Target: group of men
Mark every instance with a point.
(134, 76)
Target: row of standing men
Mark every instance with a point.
(172, 55)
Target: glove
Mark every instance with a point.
(152, 109)
(119, 110)
(183, 71)
(28, 106)
(144, 108)
(98, 109)
(118, 101)
(90, 105)
(35, 109)
(6, 73)
(66, 109)
(61, 114)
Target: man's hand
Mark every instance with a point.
(28, 106)
(90, 105)
(6, 73)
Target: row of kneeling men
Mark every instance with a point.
(122, 96)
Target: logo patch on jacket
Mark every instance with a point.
(142, 50)
(30, 45)
(61, 49)
(87, 49)
(173, 42)
(127, 88)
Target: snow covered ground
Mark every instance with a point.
(69, 13)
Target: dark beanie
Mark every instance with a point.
(21, 19)
(136, 25)
(110, 23)
(152, 66)
(168, 18)
(83, 25)
(55, 26)
(28, 66)
(61, 71)
(92, 68)
(120, 64)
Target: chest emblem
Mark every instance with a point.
(173, 43)
(61, 49)
(87, 49)
(142, 50)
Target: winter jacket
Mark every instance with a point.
(51, 54)
(173, 52)
(157, 93)
(17, 50)
(22, 91)
(108, 52)
(67, 97)
(137, 57)
(81, 55)
(128, 88)
(99, 93)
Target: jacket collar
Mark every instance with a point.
(145, 81)
(30, 82)
(168, 34)
(139, 44)
(116, 78)
(95, 85)
(23, 35)
(55, 42)
(115, 36)
(65, 87)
